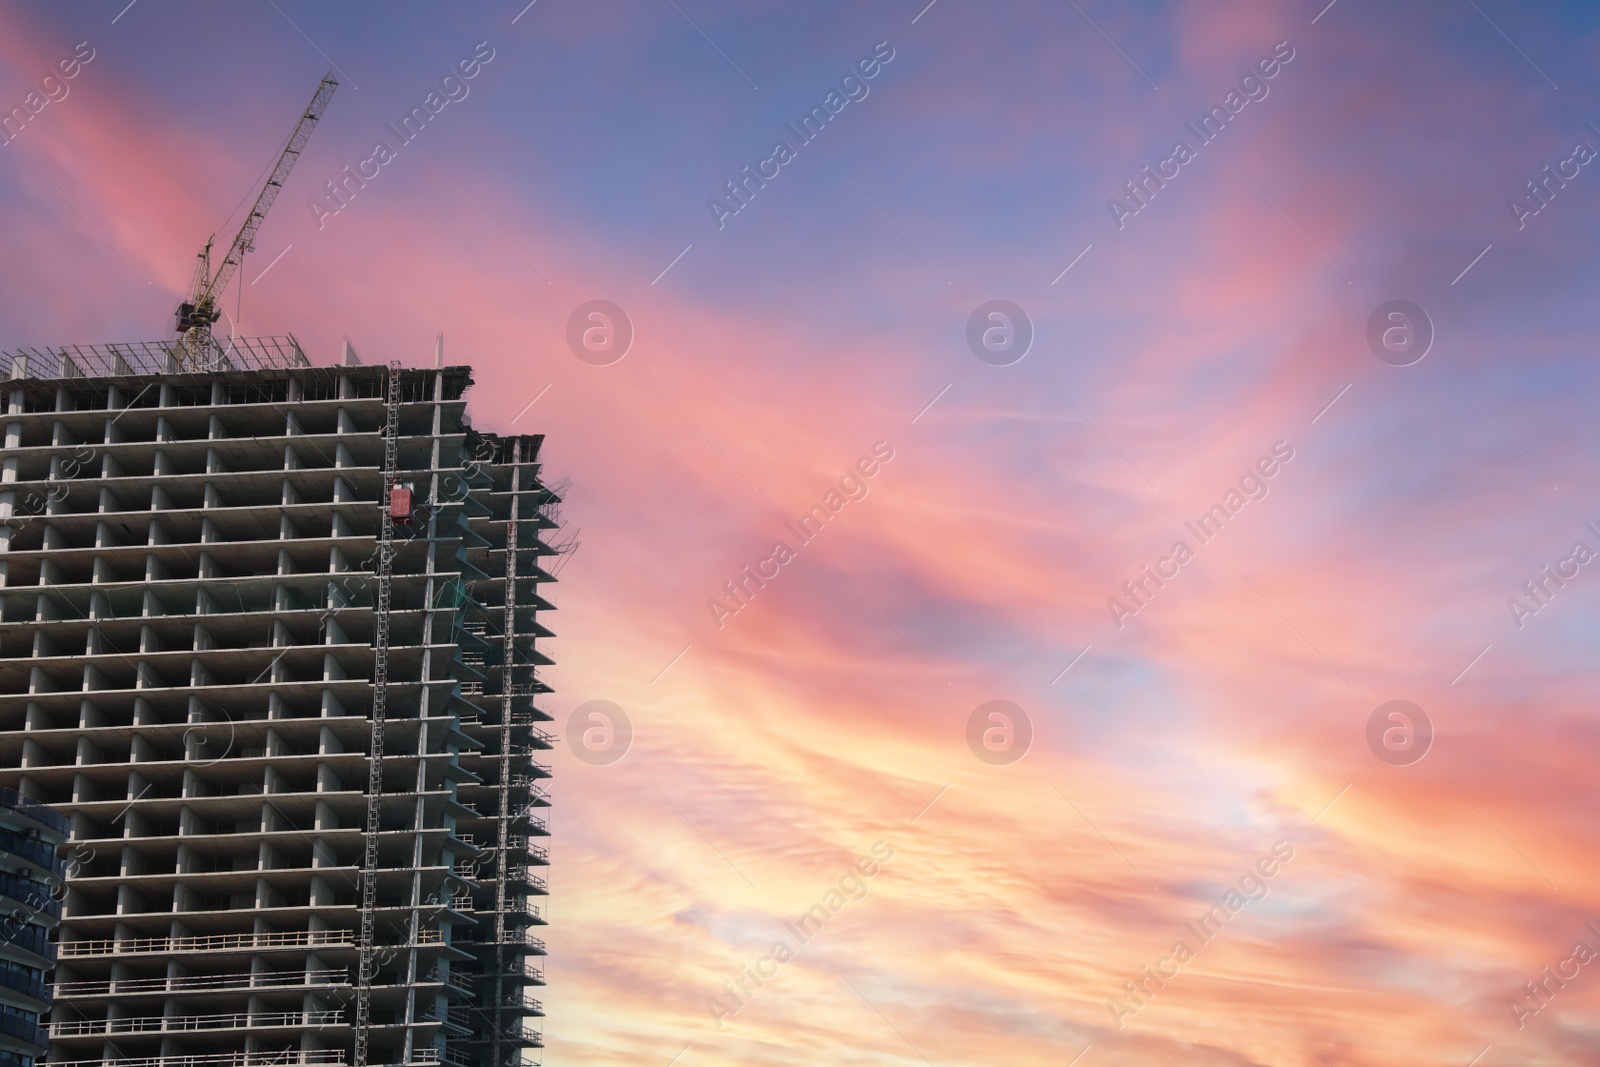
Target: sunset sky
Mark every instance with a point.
(1221, 325)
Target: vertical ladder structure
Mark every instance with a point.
(503, 849)
(380, 705)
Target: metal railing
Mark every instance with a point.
(327, 976)
(526, 1035)
(284, 1058)
(522, 843)
(150, 357)
(139, 1024)
(210, 942)
(529, 969)
(523, 1003)
(513, 938)
(461, 983)
(523, 874)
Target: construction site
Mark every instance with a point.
(268, 645)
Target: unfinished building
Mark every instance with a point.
(268, 640)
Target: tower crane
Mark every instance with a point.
(196, 314)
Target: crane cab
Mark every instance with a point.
(190, 316)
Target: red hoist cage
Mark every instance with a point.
(400, 504)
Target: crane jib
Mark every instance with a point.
(196, 315)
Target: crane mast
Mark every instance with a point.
(196, 314)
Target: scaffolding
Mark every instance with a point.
(380, 704)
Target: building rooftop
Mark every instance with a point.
(151, 357)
